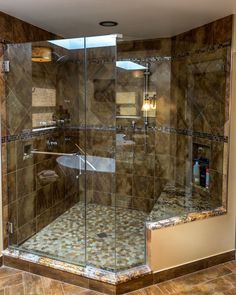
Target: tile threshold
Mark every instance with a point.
(87, 271)
(186, 218)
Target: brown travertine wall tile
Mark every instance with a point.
(26, 182)
(141, 47)
(136, 171)
(143, 204)
(10, 157)
(143, 186)
(124, 184)
(26, 231)
(44, 219)
(223, 30)
(26, 207)
(9, 188)
(198, 76)
(16, 30)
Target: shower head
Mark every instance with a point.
(62, 59)
(59, 58)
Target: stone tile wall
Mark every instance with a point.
(200, 92)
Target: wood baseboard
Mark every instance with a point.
(191, 267)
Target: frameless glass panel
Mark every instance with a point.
(100, 140)
(171, 152)
(136, 189)
(44, 91)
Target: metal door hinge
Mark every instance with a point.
(5, 66)
(10, 227)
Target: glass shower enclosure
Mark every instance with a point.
(61, 129)
(107, 136)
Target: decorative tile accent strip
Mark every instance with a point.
(202, 50)
(148, 59)
(92, 127)
(88, 272)
(171, 130)
(164, 129)
(178, 56)
(191, 133)
(28, 134)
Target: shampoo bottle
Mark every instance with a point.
(207, 177)
(196, 173)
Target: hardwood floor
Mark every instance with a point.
(217, 280)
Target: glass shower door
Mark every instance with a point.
(100, 140)
(71, 195)
(45, 148)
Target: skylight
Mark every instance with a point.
(129, 65)
(88, 42)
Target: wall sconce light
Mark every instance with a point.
(146, 104)
(149, 103)
(41, 54)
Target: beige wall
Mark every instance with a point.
(200, 239)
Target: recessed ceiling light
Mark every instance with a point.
(108, 23)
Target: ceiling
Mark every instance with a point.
(138, 19)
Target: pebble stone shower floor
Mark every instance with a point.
(115, 238)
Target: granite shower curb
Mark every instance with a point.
(87, 272)
(192, 216)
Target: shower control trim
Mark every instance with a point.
(5, 68)
(52, 143)
(27, 152)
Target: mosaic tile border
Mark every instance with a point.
(160, 58)
(192, 216)
(87, 271)
(28, 135)
(200, 50)
(164, 129)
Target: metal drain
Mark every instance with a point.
(102, 235)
